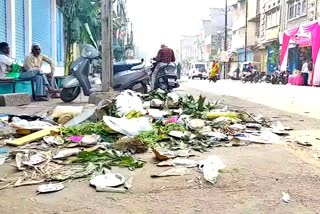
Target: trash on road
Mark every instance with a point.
(210, 168)
(108, 180)
(128, 127)
(78, 142)
(50, 188)
(285, 197)
(176, 171)
(307, 144)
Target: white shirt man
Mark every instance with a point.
(5, 63)
(305, 68)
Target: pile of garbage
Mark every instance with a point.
(77, 142)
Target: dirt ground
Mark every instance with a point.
(253, 181)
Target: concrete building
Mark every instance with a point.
(212, 33)
(296, 13)
(24, 22)
(190, 50)
(239, 31)
(270, 24)
(123, 44)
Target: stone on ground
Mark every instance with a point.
(96, 97)
(16, 99)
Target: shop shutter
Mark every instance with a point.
(20, 31)
(41, 25)
(60, 38)
(3, 21)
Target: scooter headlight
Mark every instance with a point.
(169, 69)
(86, 53)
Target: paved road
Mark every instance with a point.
(295, 99)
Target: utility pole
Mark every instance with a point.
(246, 33)
(106, 44)
(225, 35)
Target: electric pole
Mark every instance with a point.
(106, 45)
(225, 35)
(246, 33)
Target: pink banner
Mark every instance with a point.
(285, 46)
(314, 28)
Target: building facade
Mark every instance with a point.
(24, 22)
(240, 32)
(122, 31)
(297, 13)
(270, 24)
(212, 34)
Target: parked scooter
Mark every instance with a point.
(127, 75)
(280, 77)
(167, 76)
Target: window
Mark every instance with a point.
(304, 7)
(297, 9)
(272, 19)
(269, 20)
(291, 11)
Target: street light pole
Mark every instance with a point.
(226, 26)
(106, 45)
(246, 33)
(225, 35)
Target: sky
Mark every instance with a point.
(157, 22)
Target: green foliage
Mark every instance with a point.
(194, 107)
(109, 159)
(82, 25)
(276, 53)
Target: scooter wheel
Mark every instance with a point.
(69, 94)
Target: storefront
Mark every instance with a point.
(302, 38)
(41, 25)
(20, 31)
(3, 21)
(241, 55)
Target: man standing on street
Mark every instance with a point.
(165, 55)
(310, 68)
(305, 73)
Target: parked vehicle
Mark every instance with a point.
(167, 77)
(262, 77)
(249, 77)
(199, 70)
(244, 67)
(280, 77)
(234, 75)
(266, 78)
(86, 70)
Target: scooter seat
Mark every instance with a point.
(124, 66)
(138, 67)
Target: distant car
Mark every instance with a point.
(198, 70)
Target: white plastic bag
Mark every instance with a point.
(172, 100)
(129, 127)
(210, 168)
(128, 101)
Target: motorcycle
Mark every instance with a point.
(262, 77)
(166, 78)
(280, 77)
(249, 77)
(86, 72)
